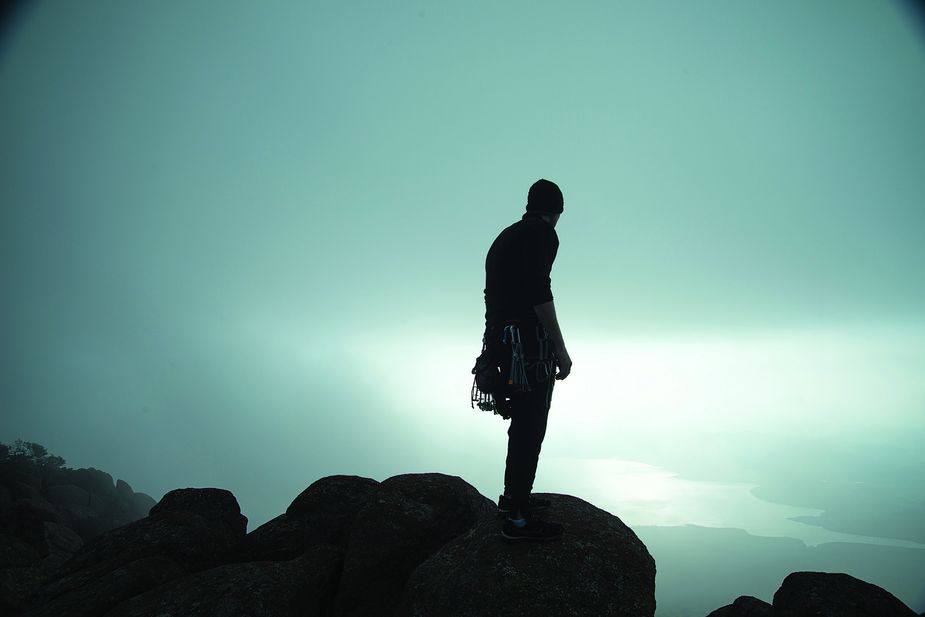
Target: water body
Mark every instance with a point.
(644, 495)
(714, 541)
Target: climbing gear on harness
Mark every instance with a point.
(501, 374)
(489, 387)
(518, 377)
(545, 365)
(487, 379)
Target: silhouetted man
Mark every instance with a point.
(522, 331)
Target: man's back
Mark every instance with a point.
(517, 270)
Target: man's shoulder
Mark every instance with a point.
(531, 225)
(529, 229)
(510, 232)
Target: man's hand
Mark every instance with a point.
(547, 315)
(564, 362)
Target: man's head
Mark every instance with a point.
(545, 199)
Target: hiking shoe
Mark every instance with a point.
(534, 530)
(505, 504)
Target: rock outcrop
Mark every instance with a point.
(820, 594)
(824, 594)
(85, 500)
(47, 513)
(599, 567)
(416, 544)
(409, 519)
(90, 502)
(322, 514)
(413, 545)
(187, 531)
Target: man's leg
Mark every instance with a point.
(525, 439)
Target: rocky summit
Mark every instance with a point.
(415, 545)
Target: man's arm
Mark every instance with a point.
(547, 314)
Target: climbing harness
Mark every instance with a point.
(492, 389)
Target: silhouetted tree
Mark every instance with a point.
(29, 453)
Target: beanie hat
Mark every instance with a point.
(544, 196)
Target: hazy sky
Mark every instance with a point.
(242, 244)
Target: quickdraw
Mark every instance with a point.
(491, 390)
(518, 377)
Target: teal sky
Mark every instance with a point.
(242, 244)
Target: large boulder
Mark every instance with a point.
(189, 530)
(598, 567)
(322, 514)
(334, 497)
(200, 527)
(745, 606)
(215, 505)
(825, 594)
(408, 519)
(302, 586)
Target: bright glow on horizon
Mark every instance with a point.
(762, 381)
(701, 405)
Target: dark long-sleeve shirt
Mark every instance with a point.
(517, 271)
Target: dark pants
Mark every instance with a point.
(529, 411)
